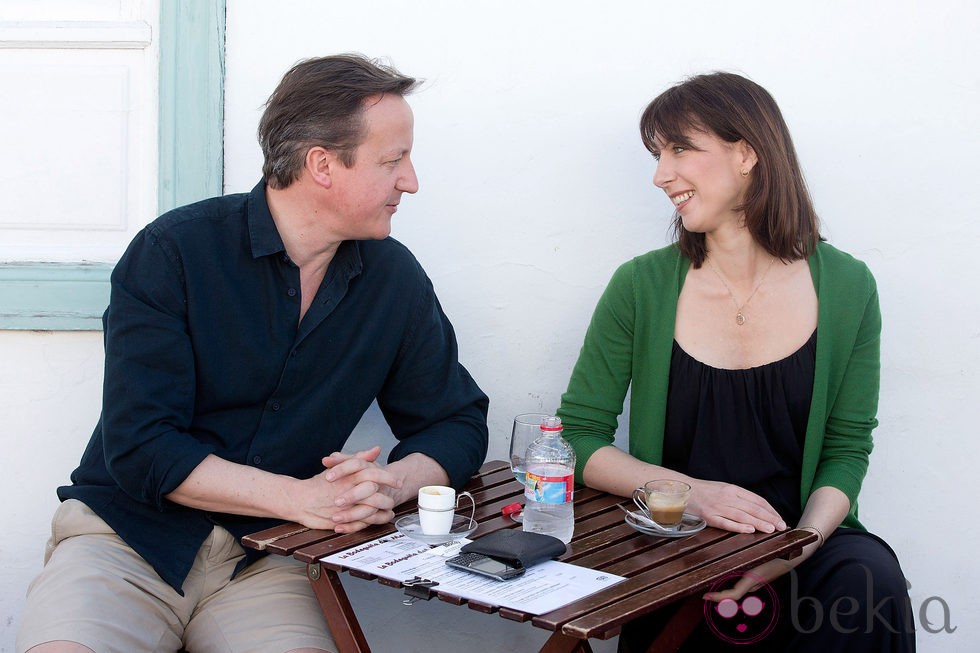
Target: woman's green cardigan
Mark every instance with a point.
(629, 341)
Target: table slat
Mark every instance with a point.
(681, 585)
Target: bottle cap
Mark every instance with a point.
(551, 424)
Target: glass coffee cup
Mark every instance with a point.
(664, 501)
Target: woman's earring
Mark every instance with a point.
(745, 173)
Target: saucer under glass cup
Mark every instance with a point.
(662, 505)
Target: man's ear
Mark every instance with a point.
(319, 162)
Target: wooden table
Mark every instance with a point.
(659, 571)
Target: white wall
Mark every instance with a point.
(535, 187)
(51, 387)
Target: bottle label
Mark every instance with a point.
(549, 489)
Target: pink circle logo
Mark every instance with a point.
(747, 621)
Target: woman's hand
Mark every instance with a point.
(766, 572)
(823, 513)
(721, 505)
(732, 508)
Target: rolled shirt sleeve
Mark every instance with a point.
(149, 386)
(430, 401)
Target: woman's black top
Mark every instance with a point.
(742, 426)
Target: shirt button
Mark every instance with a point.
(256, 459)
(291, 292)
(275, 405)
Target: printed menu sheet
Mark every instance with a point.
(543, 587)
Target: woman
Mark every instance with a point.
(752, 351)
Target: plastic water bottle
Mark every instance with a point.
(550, 483)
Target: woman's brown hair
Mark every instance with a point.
(778, 211)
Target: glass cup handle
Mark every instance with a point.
(472, 503)
(640, 499)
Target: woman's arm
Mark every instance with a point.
(853, 404)
(823, 513)
(721, 505)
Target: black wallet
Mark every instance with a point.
(516, 547)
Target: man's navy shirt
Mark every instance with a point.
(205, 354)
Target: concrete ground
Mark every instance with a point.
(437, 627)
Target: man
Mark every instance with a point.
(245, 337)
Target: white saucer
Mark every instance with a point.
(410, 527)
(689, 525)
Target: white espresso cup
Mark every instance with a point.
(437, 507)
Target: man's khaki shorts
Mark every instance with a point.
(97, 591)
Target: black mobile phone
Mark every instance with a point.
(485, 565)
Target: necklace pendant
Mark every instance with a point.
(739, 318)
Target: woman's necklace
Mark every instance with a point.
(739, 316)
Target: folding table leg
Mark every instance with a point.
(679, 627)
(337, 610)
(561, 643)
